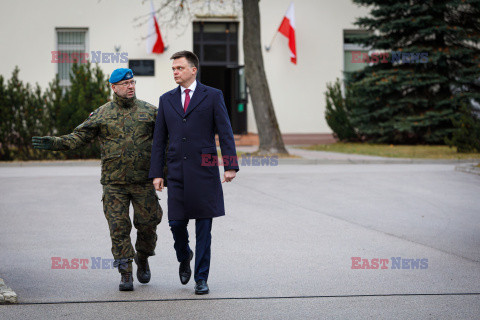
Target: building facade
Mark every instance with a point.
(113, 34)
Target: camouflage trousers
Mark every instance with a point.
(147, 214)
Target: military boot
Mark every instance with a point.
(143, 269)
(125, 268)
(126, 283)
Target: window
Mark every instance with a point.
(350, 46)
(216, 43)
(69, 41)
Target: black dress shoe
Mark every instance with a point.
(184, 270)
(201, 287)
(143, 269)
(126, 282)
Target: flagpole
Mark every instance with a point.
(271, 42)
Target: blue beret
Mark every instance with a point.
(120, 74)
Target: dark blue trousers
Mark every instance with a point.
(203, 237)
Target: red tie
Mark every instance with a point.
(187, 100)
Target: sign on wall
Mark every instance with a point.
(142, 67)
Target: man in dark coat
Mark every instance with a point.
(188, 117)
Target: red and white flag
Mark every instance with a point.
(154, 37)
(287, 28)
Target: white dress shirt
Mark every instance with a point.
(192, 88)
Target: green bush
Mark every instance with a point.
(26, 111)
(336, 113)
(466, 137)
(23, 114)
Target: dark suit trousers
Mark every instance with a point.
(203, 228)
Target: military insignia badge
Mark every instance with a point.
(142, 116)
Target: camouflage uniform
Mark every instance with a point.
(125, 130)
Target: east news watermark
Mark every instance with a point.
(397, 57)
(211, 160)
(394, 263)
(94, 263)
(94, 56)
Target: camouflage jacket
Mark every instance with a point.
(125, 130)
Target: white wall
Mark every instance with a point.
(298, 90)
(27, 37)
(109, 22)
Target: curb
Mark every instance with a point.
(469, 168)
(281, 161)
(7, 295)
(371, 161)
(34, 163)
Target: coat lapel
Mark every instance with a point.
(176, 101)
(199, 94)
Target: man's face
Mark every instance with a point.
(124, 88)
(183, 73)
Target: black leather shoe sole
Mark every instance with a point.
(184, 271)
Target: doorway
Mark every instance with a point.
(216, 45)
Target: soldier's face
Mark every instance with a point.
(183, 73)
(125, 88)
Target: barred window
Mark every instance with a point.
(69, 41)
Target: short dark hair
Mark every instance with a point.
(190, 56)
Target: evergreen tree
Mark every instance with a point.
(15, 113)
(24, 114)
(89, 90)
(467, 136)
(5, 123)
(26, 111)
(336, 113)
(405, 102)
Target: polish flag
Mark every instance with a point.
(154, 38)
(287, 28)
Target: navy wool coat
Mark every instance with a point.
(194, 190)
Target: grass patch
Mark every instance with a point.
(395, 151)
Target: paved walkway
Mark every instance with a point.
(283, 251)
(324, 157)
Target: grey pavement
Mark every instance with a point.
(304, 156)
(283, 251)
(320, 155)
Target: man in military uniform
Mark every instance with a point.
(125, 128)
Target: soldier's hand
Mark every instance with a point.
(45, 143)
(158, 184)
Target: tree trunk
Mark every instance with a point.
(271, 140)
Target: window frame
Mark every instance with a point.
(58, 47)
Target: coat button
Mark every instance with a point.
(184, 158)
(184, 139)
(184, 120)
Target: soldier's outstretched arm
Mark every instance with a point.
(82, 135)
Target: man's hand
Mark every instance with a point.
(45, 143)
(229, 175)
(158, 184)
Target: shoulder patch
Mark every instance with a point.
(142, 116)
